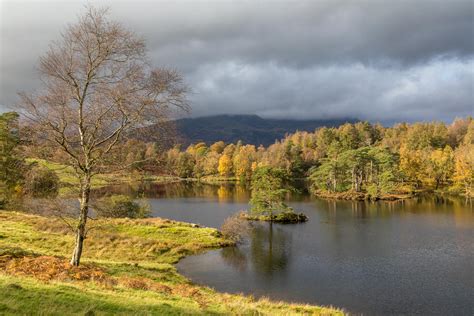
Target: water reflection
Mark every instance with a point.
(419, 205)
(270, 248)
(402, 257)
(226, 192)
(235, 257)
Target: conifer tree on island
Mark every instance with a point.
(268, 197)
(98, 88)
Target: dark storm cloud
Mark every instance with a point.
(436, 90)
(375, 59)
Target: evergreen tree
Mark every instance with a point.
(268, 192)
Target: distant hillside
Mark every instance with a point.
(250, 129)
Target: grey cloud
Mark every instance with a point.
(437, 90)
(302, 34)
(280, 58)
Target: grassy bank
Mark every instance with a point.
(127, 269)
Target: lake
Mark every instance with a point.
(405, 257)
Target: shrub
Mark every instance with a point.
(285, 217)
(121, 206)
(372, 191)
(235, 228)
(290, 217)
(41, 182)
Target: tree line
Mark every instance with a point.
(360, 157)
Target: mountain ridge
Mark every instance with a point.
(250, 129)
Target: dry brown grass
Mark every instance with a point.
(192, 292)
(140, 283)
(48, 268)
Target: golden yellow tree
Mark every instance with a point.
(412, 164)
(441, 165)
(464, 168)
(243, 162)
(225, 166)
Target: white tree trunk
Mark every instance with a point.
(81, 226)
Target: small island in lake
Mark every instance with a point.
(268, 192)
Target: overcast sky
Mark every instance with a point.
(376, 60)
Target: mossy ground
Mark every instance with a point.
(127, 269)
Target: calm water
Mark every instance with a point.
(406, 257)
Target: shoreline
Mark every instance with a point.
(362, 196)
(69, 182)
(129, 266)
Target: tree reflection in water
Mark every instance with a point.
(224, 192)
(235, 257)
(270, 250)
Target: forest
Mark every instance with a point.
(360, 160)
(360, 157)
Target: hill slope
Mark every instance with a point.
(250, 129)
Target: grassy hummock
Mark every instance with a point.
(127, 269)
(282, 217)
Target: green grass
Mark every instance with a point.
(136, 257)
(29, 296)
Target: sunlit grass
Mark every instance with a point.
(136, 257)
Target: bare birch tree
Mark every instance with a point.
(98, 88)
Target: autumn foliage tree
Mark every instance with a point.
(225, 166)
(98, 88)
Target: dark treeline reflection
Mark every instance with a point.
(269, 250)
(418, 205)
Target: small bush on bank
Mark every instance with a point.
(118, 206)
(235, 228)
(41, 182)
(372, 191)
